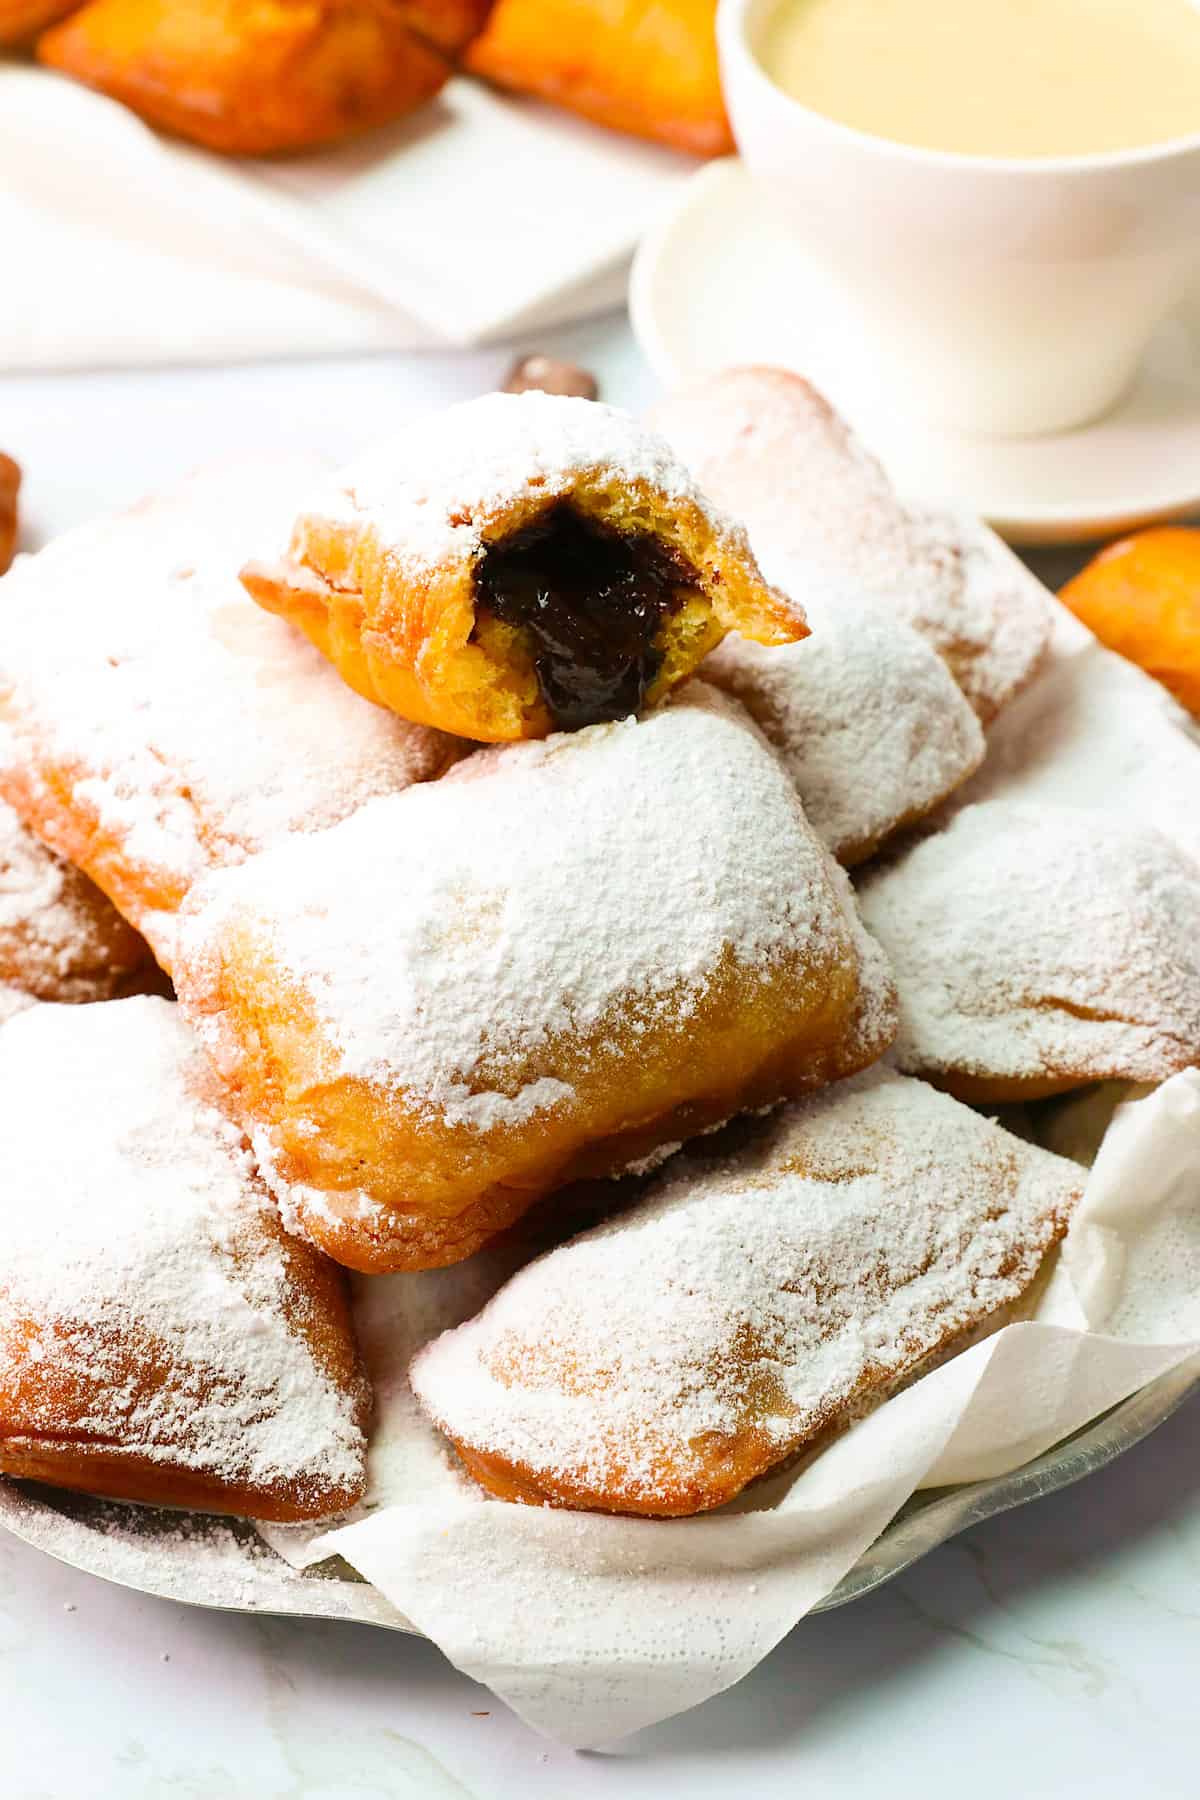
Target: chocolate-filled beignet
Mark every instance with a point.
(750, 1300)
(866, 718)
(60, 939)
(541, 968)
(827, 526)
(161, 1338)
(521, 564)
(1037, 948)
(157, 724)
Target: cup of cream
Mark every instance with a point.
(1006, 218)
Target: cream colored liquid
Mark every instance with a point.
(995, 77)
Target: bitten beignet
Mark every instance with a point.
(1037, 948)
(519, 564)
(541, 968)
(648, 67)
(827, 526)
(866, 718)
(749, 1301)
(60, 939)
(279, 75)
(157, 723)
(161, 1339)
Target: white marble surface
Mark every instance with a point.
(1051, 1653)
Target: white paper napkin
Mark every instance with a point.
(477, 217)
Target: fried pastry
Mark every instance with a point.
(866, 718)
(21, 20)
(539, 969)
(1037, 948)
(519, 564)
(827, 526)
(748, 1302)
(648, 67)
(10, 487)
(1141, 597)
(60, 939)
(161, 1338)
(158, 724)
(278, 75)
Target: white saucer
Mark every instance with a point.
(720, 281)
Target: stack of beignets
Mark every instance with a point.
(425, 985)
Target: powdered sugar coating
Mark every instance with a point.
(866, 717)
(140, 1238)
(429, 491)
(828, 528)
(1036, 943)
(188, 724)
(527, 895)
(59, 937)
(750, 1296)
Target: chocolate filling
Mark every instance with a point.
(592, 600)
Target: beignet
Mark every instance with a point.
(1141, 597)
(280, 75)
(519, 564)
(60, 939)
(827, 526)
(866, 718)
(542, 968)
(21, 20)
(749, 1301)
(648, 67)
(161, 1339)
(10, 488)
(157, 724)
(1037, 948)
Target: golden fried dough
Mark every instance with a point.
(21, 20)
(250, 77)
(539, 969)
(1141, 597)
(60, 939)
(1038, 948)
(159, 724)
(516, 565)
(648, 67)
(161, 1339)
(827, 526)
(751, 1299)
(10, 487)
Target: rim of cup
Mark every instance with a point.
(734, 39)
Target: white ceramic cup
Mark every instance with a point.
(998, 296)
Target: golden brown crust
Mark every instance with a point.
(10, 487)
(648, 68)
(21, 20)
(249, 80)
(403, 626)
(1141, 597)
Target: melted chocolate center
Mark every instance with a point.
(592, 600)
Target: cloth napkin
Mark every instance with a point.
(478, 217)
(592, 1627)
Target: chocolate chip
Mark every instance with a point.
(548, 375)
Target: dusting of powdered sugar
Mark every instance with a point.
(866, 717)
(450, 938)
(192, 725)
(852, 1235)
(59, 938)
(135, 1237)
(429, 492)
(1032, 941)
(828, 528)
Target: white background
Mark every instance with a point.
(1053, 1652)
